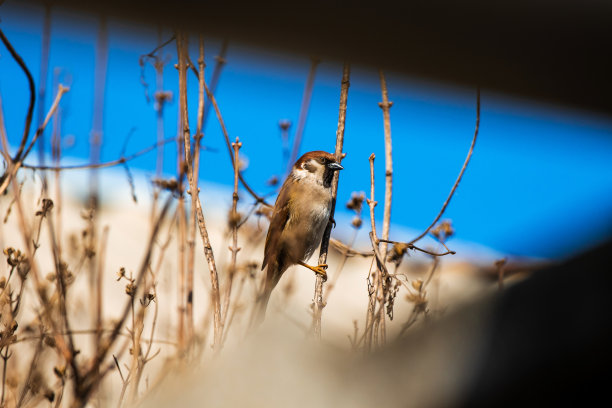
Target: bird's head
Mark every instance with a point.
(317, 166)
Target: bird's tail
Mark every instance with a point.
(259, 310)
(261, 303)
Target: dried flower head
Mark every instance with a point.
(167, 184)
(272, 181)
(284, 124)
(443, 230)
(397, 252)
(121, 274)
(130, 289)
(356, 202)
(47, 206)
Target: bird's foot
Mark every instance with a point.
(319, 270)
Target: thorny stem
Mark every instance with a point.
(193, 189)
(465, 163)
(318, 303)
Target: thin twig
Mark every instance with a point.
(13, 167)
(111, 163)
(299, 131)
(318, 304)
(465, 163)
(234, 219)
(220, 62)
(24, 68)
(193, 189)
(211, 98)
(373, 276)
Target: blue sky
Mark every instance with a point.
(539, 184)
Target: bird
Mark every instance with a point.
(301, 213)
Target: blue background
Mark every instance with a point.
(539, 183)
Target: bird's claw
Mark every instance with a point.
(333, 221)
(321, 270)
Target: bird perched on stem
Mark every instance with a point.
(300, 216)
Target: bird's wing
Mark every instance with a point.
(280, 216)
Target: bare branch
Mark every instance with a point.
(193, 189)
(318, 304)
(299, 132)
(467, 160)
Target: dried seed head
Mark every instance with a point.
(167, 184)
(121, 274)
(397, 253)
(356, 202)
(47, 206)
(130, 289)
(356, 223)
(284, 124)
(443, 230)
(272, 181)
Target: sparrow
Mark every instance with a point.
(301, 213)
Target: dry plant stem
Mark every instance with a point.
(89, 381)
(318, 303)
(299, 131)
(193, 190)
(182, 243)
(28, 120)
(212, 100)
(98, 108)
(216, 75)
(385, 105)
(234, 223)
(99, 286)
(373, 276)
(196, 174)
(465, 163)
(416, 311)
(42, 86)
(411, 246)
(13, 167)
(111, 163)
(347, 250)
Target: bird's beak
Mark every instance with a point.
(335, 166)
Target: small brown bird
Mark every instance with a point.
(301, 213)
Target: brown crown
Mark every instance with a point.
(315, 155)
